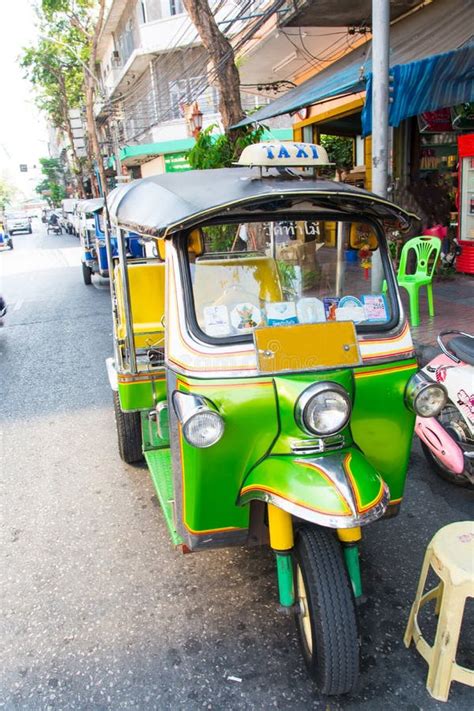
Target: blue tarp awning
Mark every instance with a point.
(429, 84)
(435, 82)
(431, 60)
(328, 84)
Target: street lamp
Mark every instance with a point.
(196, 120)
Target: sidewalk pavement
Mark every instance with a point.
(453, 305)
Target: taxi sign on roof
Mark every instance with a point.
(283, 153)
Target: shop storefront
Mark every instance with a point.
(423, 141)
(148, 159)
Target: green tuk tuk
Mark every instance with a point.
(266, 375)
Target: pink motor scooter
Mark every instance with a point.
(448, 438)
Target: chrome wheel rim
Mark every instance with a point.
(305, 618)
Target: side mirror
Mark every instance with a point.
(196, 242)
(160, 246)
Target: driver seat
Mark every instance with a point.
(463, 348)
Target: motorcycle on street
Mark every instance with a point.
(447, 438)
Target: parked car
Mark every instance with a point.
(68, 220)
(17, 222)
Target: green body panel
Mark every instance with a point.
(289, 388)
(159, 464)
(255, 449)
(381, 424)
(286, 588)
(141, 395)
(212, 477)
(299, 480)
(150, 437)
(351, 556)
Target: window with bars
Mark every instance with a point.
(185, 91)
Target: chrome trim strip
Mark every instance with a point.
(317, 444)
(333, 468)
(328, 520)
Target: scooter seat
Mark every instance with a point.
(463, 348)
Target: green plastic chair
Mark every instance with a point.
(427, 251)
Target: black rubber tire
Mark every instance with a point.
(456, 479)
(129, 433)
(333, 662)
(86, 274)
(30, 231)
(11, 244)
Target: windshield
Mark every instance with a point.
(281, 273)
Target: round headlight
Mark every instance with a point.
(430, 401)
(203, 429)
(323, 409)
(425, 398)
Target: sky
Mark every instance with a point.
(23, 134)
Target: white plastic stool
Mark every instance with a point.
(451, 555)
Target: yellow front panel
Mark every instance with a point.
(307, 347)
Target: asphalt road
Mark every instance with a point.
(98, 610)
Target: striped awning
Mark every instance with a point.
(430, 53)
(429, 84)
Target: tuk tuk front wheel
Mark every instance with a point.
(326, 620)
(129, 433)
(86, 274)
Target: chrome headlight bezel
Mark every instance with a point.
(315, 391)
(188, 408)
(418, 385)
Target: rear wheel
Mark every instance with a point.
(129, 433)
(86, 274)
(11, 243)
(326, 620)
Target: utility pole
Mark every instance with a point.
(116, 149)
(380, 94)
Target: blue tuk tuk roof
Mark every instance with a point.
(161, 205)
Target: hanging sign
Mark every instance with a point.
(435, 121)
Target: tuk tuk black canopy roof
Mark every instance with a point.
(164, 204)
(92, 205)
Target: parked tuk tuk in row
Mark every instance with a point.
(268, 383)
(92, 237)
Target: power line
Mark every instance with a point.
(201, 62)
